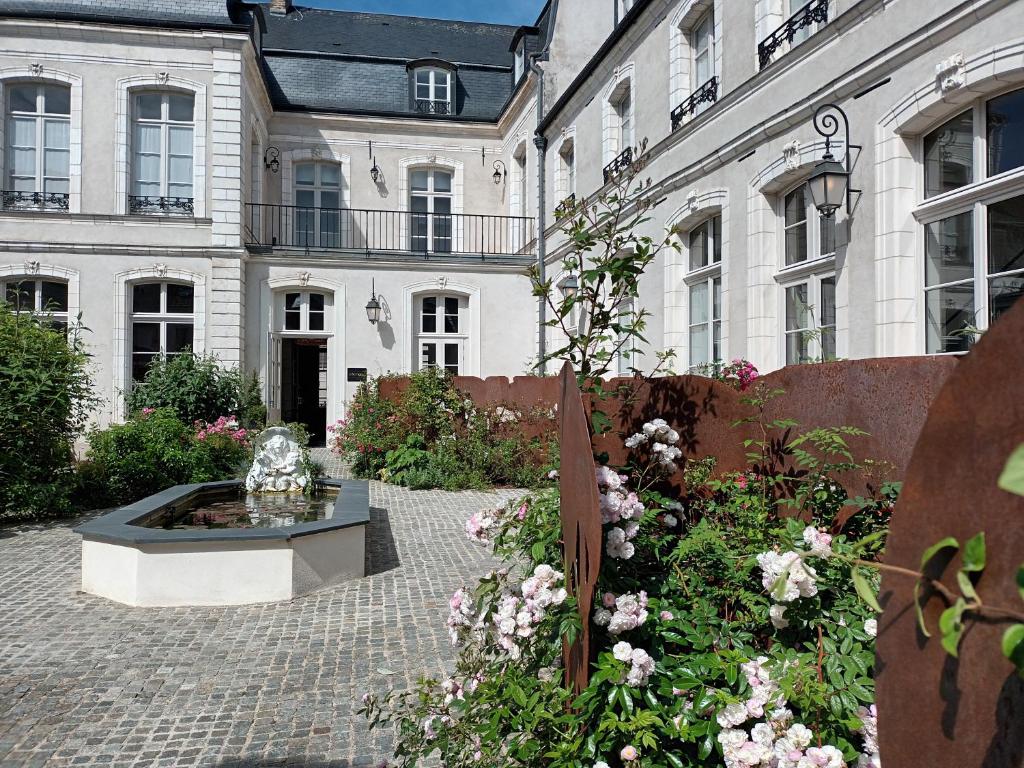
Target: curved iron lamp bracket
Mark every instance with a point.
(826, 123)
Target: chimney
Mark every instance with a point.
(280, 7)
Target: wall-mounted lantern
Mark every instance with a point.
(376, 174)
(569, 286)
(270, 159)
(500, 172)
(829, 182)
(373, 305)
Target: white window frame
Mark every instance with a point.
(439, 337)
(695, 50)
(707, 275)
(321, 214)
(625, 129)
(305, 310)
(436, 75)
(520, 67)
(567, 168)
(974, 198)
(38, 308)
(163, 318)
(166, 124)
(431, 195)
(41, 119)
(815, 328)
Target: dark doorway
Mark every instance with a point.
(304, 386)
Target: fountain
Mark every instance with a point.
(276, 536)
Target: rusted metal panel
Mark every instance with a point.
(580, 514)
(935, 710)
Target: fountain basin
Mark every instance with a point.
(124, 561)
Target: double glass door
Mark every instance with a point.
(430, 211)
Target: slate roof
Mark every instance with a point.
(192, 13)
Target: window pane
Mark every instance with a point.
(1006, 235)
(948, 155)
(23, 98)
(949, 250)
(948, 312)
(57, 100)
(54, 296)
(330, 174)
(451, 358)
(316, 302)
(699, 247)
(23, 132)
(827, 227)
(146, 337)
(796, 244)
(428, 355)
(429, 314)
(24, 162)
(698, 303)
(180, 298)
(57, 134)
(22, 295)
(419, 180)
(146, 297)
(179, 337)
(451, 314)
(180, 107)
(316, 321)
(140, 365)
(330, 200)
(56, 162)
(56, 186)
(305, 173)
(147, 106)
(1005, 117)
(716, 238)
(1003, 294)
(796, 207)
(179, 171)
(179, 140)
(797, 348)
(423, 77)
(716, 299)
(828, 301)
(292, 321)
(442, 181)
(796, 307)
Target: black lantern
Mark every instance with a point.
(829, 182)
(500, 172)
(373, 306)
(270, 159)
(375, 172)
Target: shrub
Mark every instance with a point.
(371, 429)
(154, 451)
(199, 389)
(45, 398)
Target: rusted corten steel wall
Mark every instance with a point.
(935, 710)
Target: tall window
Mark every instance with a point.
(704, 283)
(520, 69)
(441, 332)
(38, 146)
(624, 115)
(432, 91)
(162, 145)
(318, 205)
(702, 43)
(973, 248)
(567, 158)
(43, 297)
(162, 322)
(810, 300)
(430, 207)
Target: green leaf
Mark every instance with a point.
(952, 627)
(865, 590)
(537, 550)
(947, 543)
(974, 553)
(1012, 477)
(920, 611)
(674, 759)
(1013, 646)
(966, 586)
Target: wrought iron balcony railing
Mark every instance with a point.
(183, 206)
(705, 94)
(34, 201)
(433, 107)
(353, 231)
(815, 12)
(618, 165)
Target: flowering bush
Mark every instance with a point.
(739, 373)
(726, 630)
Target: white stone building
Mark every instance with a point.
(241, 179)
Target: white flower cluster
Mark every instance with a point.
(517, 617)
(662, 439)
(800, 577)
(453, 689)
(869, 730)
(618, 506)
(481, 525)
(618, 541)
(462, 615)
(630, 612)
(640, 661)
(776, 743)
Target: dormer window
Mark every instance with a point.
(520, 61)
(432, 90)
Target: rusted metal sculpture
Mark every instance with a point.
(935, 710)
(580, 514)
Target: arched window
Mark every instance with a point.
(430, 210)
(163, 127)
(974, 234)
(40, 296)
(318, 205)
(432, 91)
(704, 286)
(442, 331)
(38, 147)
(162, 322)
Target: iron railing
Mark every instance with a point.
(433, 107)
(34, 201)
(428, 235)
(184, 206)
(705, 94)
(815, 12)
(618, 165)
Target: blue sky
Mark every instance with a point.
(498, 11)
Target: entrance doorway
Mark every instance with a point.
(304, 386)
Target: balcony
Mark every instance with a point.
(353, 232)
(34, 201)
(705, 94)
(618, 165)
(161, 206)
(815, 12)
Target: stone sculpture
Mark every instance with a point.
(277, 467)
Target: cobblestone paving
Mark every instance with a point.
(84, 681)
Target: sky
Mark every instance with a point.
(498, 11)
